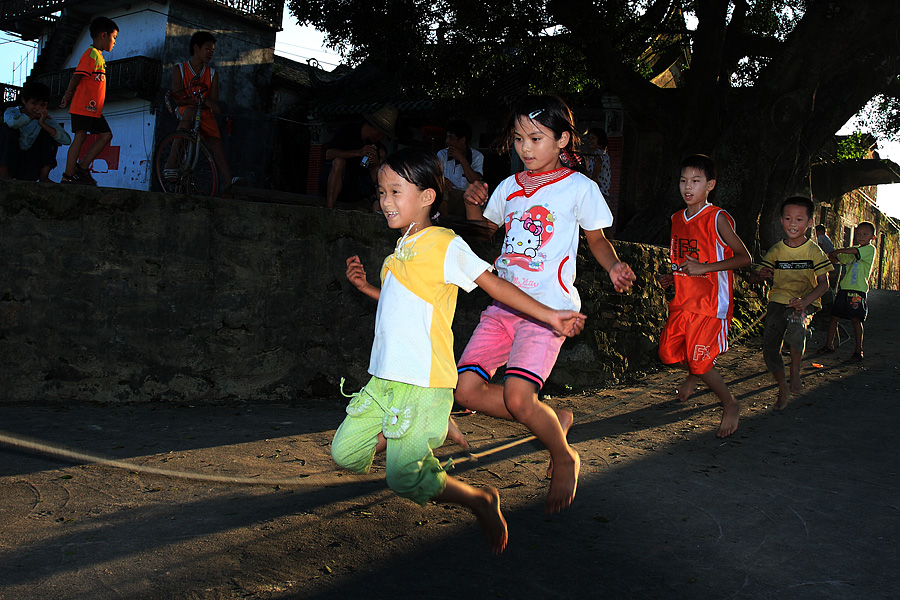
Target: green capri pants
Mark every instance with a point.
(413, 419)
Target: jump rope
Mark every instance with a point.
(311, 480)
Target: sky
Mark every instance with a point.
(301, 43)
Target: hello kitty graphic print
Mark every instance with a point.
(541, 214)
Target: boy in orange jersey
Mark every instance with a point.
(185, 79)
(86, 94)
(704, 250)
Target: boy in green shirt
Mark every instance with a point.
(850, 301)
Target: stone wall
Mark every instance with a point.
(115, 295)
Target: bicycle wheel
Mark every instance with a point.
(184, 165)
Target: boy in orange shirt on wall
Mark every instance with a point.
(86, 94)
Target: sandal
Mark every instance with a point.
(857, 357)
(825, 350)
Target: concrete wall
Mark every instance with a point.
(114, 295)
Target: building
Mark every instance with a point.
(153, 37)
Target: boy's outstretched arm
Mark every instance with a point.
(357, 276)
(741, 258)
(833, 255)
(620, 274)
(70, 91)
(763, 274)
(563, 322)
(815, 294)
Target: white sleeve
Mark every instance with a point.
(493, 212)
(591, 210)
(462, 266)
(478, 162)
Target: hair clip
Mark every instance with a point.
(535, 113)
(436, 216)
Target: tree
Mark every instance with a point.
(769, 82)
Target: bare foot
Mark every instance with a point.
(491, 519)
(731, 413)
(783, 395)
(456, 435)
(796, 383)
(687, 387)
(563, 483)
(566, 418)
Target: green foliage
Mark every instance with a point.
(881, 116)
(853, 147)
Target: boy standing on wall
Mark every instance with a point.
(86, 94)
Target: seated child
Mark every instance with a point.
(30, 137)
(462, 165)
(850, 301)
(185, 77)
(799, 271)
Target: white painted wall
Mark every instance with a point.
(142, 32)
(126, 162)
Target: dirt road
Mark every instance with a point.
(799, 504)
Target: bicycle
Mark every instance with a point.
(183, 162)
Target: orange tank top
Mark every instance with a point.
(188, 76)
(709, 294)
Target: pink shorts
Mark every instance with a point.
(693, 339)
(528, 348)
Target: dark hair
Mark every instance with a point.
(602, 139)
(460, 129)
(871, 226)
(423, 169)
(549, 110)
(799, 201)
(701, 162)
(419, 167)
(102, 25)
(200, 38)
(819, 228)
(34, 90)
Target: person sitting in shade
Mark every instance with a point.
(353, 156)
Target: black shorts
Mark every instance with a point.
(850, 304)
(89, 124)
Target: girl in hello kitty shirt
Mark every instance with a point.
(541, 209)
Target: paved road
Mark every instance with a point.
(799, 504)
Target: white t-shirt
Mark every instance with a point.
(413, 336)
(454, 171)
(542, 214)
